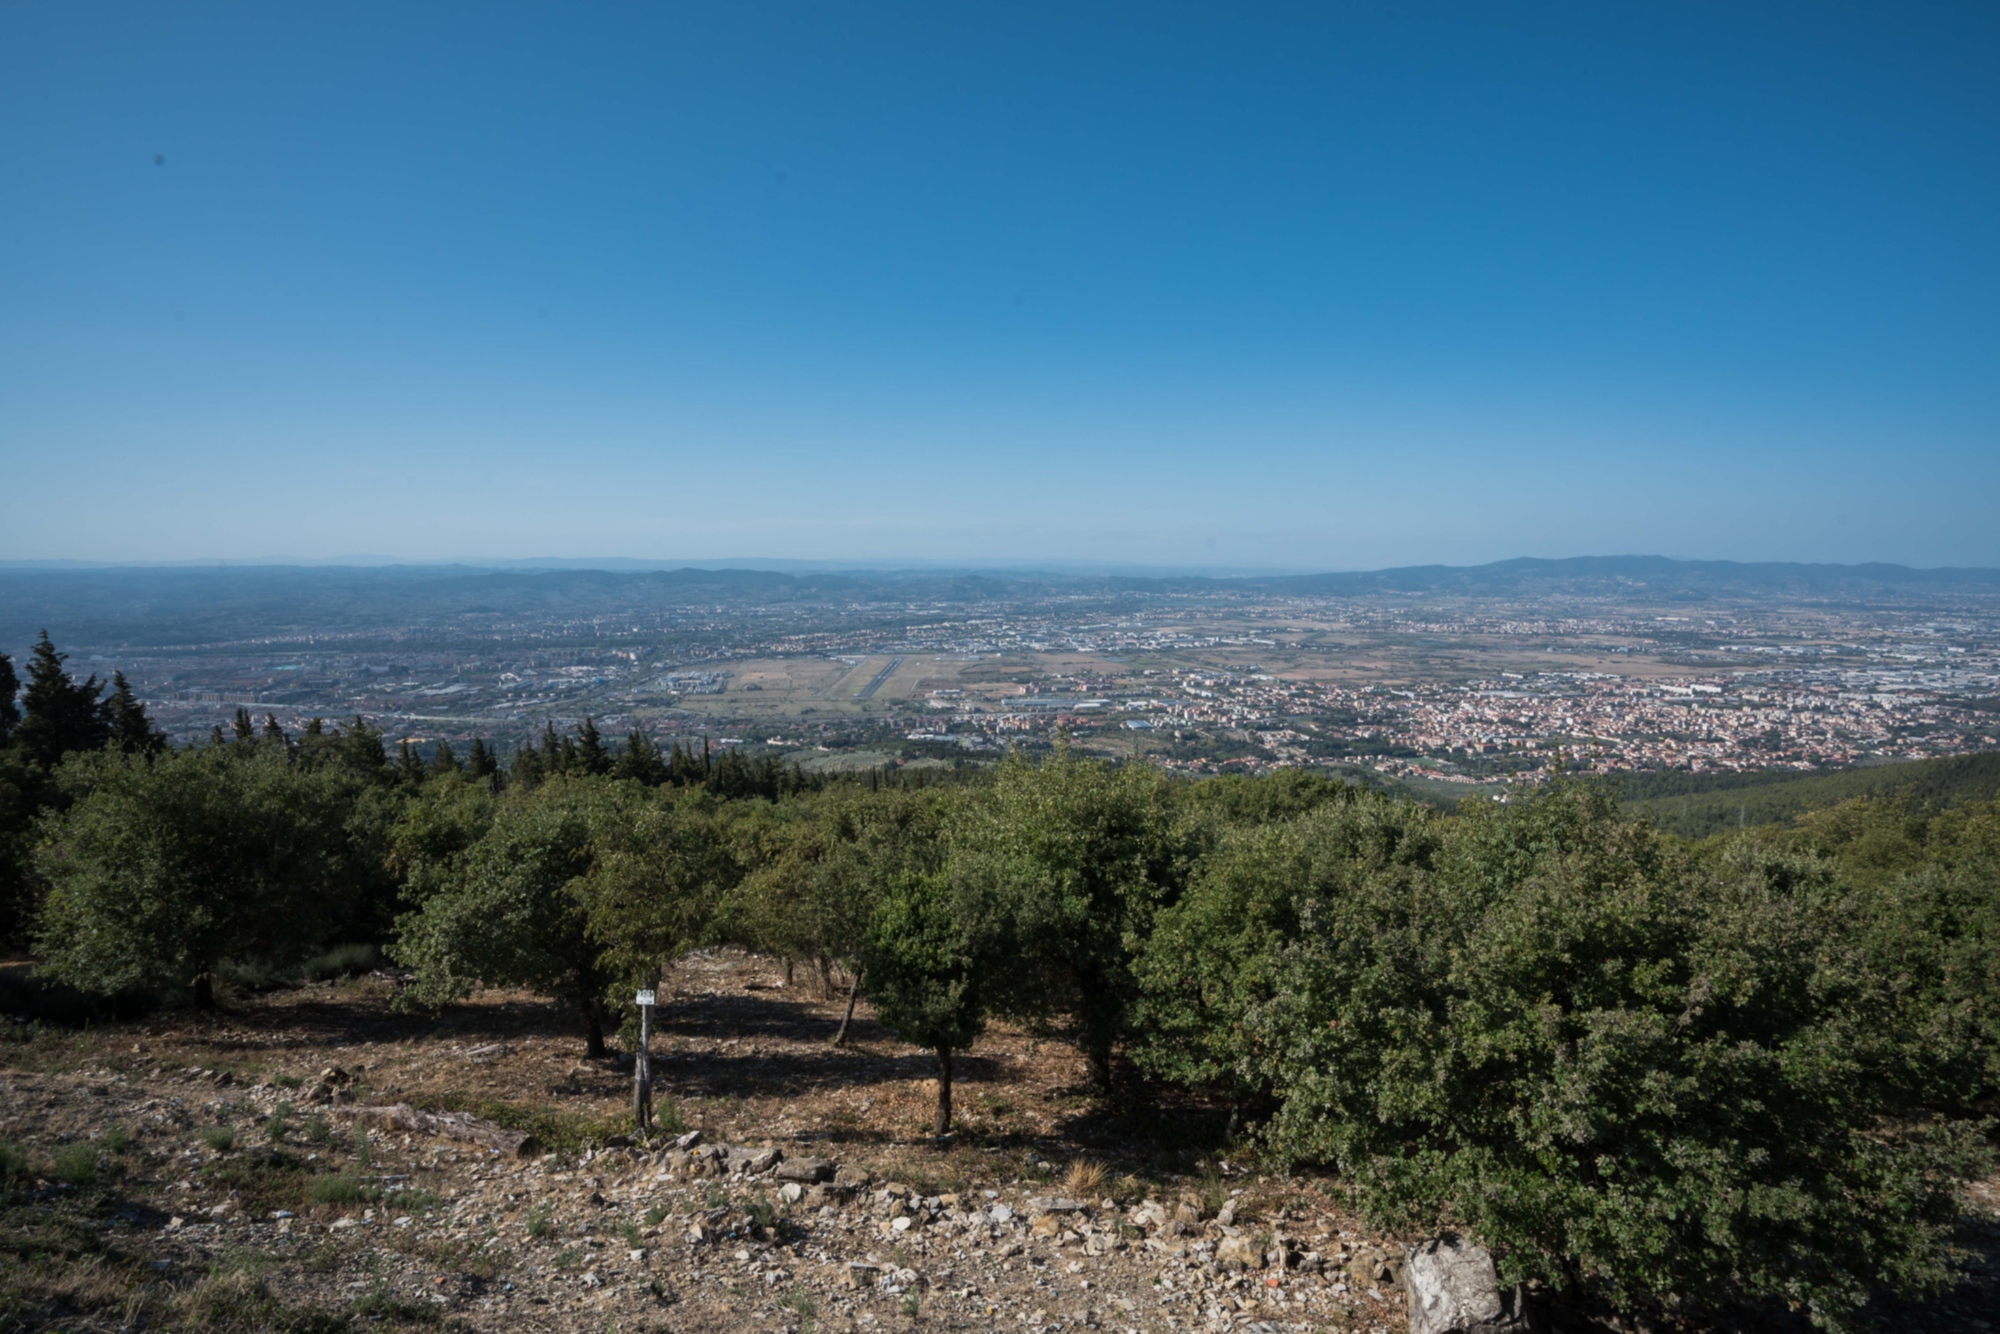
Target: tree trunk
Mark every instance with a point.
(1098, 1059)
(943, 1124)
(204, 992)
(595, 1022)
(825, 978)
(853, 990)
(788, 972)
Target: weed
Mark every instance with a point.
(288, 1081)
(762, 1212)
(566, 1259)
(114, 1138)
(718, 1198)
(911, 1304)
(656, 1215)
(280, 1120)
(361, 1146)
(319, 1130)
(801, 1303)
(1084, 1180)
(630, 1231)
(13, 1161)
(541, 1221)
(220, 1138)
(338, 1188)
(75, 1163)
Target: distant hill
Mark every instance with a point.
(1697, 805)
(96, 605)
(1645, 575)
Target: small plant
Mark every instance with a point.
(762, 1212)
(13, 1161)
(114, 1138)
(75, 1163)
(280, 1120)
(656, 1215)
(718, 1198)
(1084, 1180)
(541, 1221)
(339, 1188)
(630, 1231)
(319, 1130)
(220, 1138)
(360, 1146)
(288, 1081)
(800, 1303)
(566, 1259)
(911, 1305)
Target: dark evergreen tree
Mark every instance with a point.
(62, 715)
(591, 757)
(246, 730)
(215, 737)
(409, 765)
(481, 762)
(361, 752)
(274, 735)
(131, 730)
(10, 712)
(526, 770)
(641, 760)
(444, 760)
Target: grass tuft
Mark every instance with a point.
(220, 1138)
(75, 1164)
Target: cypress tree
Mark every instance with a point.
(244, 728)
(131, 730)
(10, 712)
(444, 760)
(481, 762)
(361, 751)
(61, 715)
(274, 733)
(409, 766)
(591, 756)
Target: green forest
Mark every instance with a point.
(1672, 1073)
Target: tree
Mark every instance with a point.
(443, 759)
(61, 715)
(166, 867)
(131, 730)
(509, 911)
(10, 689)
(1075, 856)
(1619, 1070)
(928, 954)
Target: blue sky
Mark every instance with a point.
(1324, 286)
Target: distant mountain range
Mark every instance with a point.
(190, 604)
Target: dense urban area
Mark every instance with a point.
(1432, 686)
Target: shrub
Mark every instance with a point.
(114, 1138)
(280, 1121)
(220, 1138)
(1672, 1087)
(75, 1164)
(338, 1188)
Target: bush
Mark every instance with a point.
(75, 1164)
(1673, 1087)
(338, 1188)
(220, 1138)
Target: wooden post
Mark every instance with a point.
(642, 1068)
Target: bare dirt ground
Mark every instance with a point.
(219, 1172)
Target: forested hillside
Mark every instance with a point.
(1668, 1076)
(1698, 805)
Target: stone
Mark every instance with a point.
(1452, 1288)
(1226, 1216)
(1239, 1250)
(1000, 1213)
(687, 1141)
(1053, 1204)
(1187, 1215)
(791, 1192)
(805, 1169)
(1046, 1225)
(860, 1275)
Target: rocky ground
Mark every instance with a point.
(238, 1171)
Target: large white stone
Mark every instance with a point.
(1453, 1289)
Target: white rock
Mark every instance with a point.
(1453, 1288)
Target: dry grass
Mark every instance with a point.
(1084, 1180)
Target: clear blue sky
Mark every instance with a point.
(1322, 286)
